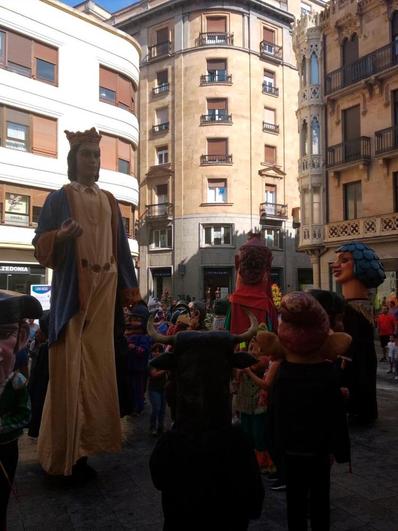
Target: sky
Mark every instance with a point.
(110, 5)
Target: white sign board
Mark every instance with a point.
(42, 292)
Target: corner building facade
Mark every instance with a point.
(351, 193)
(219, 146)
(72, 73)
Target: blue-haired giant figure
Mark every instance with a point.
(357, 269)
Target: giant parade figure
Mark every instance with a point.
(253, 286)
(357, 269)
(80, 236)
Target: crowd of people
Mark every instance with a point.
(387, 328)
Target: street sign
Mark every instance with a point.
(42, 292)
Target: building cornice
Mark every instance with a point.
(172, 5)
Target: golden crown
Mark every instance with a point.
(90, 135)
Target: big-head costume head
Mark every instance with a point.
(203, 362)
(253, 263)
(76, 140)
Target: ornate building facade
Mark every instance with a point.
(354, 191)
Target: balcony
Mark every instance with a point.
(221, 77)
(161, 49)
(270, 89)
(311, 235)
(369, 227)
(309, 163)
(216, 39)
(159, 211)
(364, 67)
(213, 118)
(272, 211)
(386, 140)
(350, 152)
(161, 89)
(271, 50)
(270, 128)
(160, 128)
(215, 160)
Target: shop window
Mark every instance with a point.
(214, 235)
(116, 89)
(162, 155)
(353, 200)
(216, 191)
(117, 154)
(28, 57)
(161, 238)
(16, 211)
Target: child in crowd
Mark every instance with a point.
(391, 355)
(14, 401)
(395, 358)
(156, 391)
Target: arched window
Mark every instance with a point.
(304, 71)
(315, 148)
(304, 139)
(314, 69)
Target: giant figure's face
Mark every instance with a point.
(343, 267)
(87, 163)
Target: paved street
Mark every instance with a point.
(123, 496)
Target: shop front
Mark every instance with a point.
(217, 282)
(161, 281)
(19, 277)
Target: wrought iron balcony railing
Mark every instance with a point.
(348, 152)
(221, 76)
(386, 140)
(161, 89)
(211, 39)
(270, 89)
(270, 128)
(159, 210)
(159, 128)
(210, 160)
(270, 49)
(366, 66)
(219, 118)
(160, 49)
(273, 210)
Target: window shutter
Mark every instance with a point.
(123, 149)
(108, 146)
(108, 79)
(213, 183)
(217, 146)
(268, 35)
(162, 36)
(19, 50)
(45, 52)
(44, 137)
(162, 115)
(270, 154)
(269, 75)
(219, 103)
(216, 64)
(125, 91)
(216, 24)
(269, 116)
(18, 117)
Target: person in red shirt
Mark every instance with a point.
(386, 326)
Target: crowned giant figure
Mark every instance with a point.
(80, 236)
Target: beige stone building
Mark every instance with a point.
(349, 184)
(219, 143)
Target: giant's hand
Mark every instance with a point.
(70, 229)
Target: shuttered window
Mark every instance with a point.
(116, 89)
(217, 146)
(270, 154)
(162, 77)
(44, 137)
(217, 104)
(216, 24)
(269, 116)
(162, 35)
(117, 154)
(216, 65)
(28, 57)
(268, 35)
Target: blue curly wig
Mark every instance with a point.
(367, 265)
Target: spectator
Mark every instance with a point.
(386, 325)
(156, 392)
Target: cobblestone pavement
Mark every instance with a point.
(123, 496)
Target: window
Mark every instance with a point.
(304, 139)
(161, 238)
(216, 30)
(162, 36)
(116, 89)
(24, 131)
(162, 115)
(270, 195)
(16, 210)
(217, 235)
(269, 83)
(217, 70)
(269, 124)
(306, 202)
(353, 200)
(316, 205)
(28, 57)
(162, 81)
(216, 191)
(304, 71)
(305, 9)
(117, 154)
(217, 109)
(162, 193)
(162, 155)
(268, 40)
(315, 137)
(395, 190)
(36, 214)
(273, 237)
(270, 154)
(217, 150)
(394, 32)
(314, 73)
(126, 225)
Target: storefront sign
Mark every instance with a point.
(42, 292)
(15, 270)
